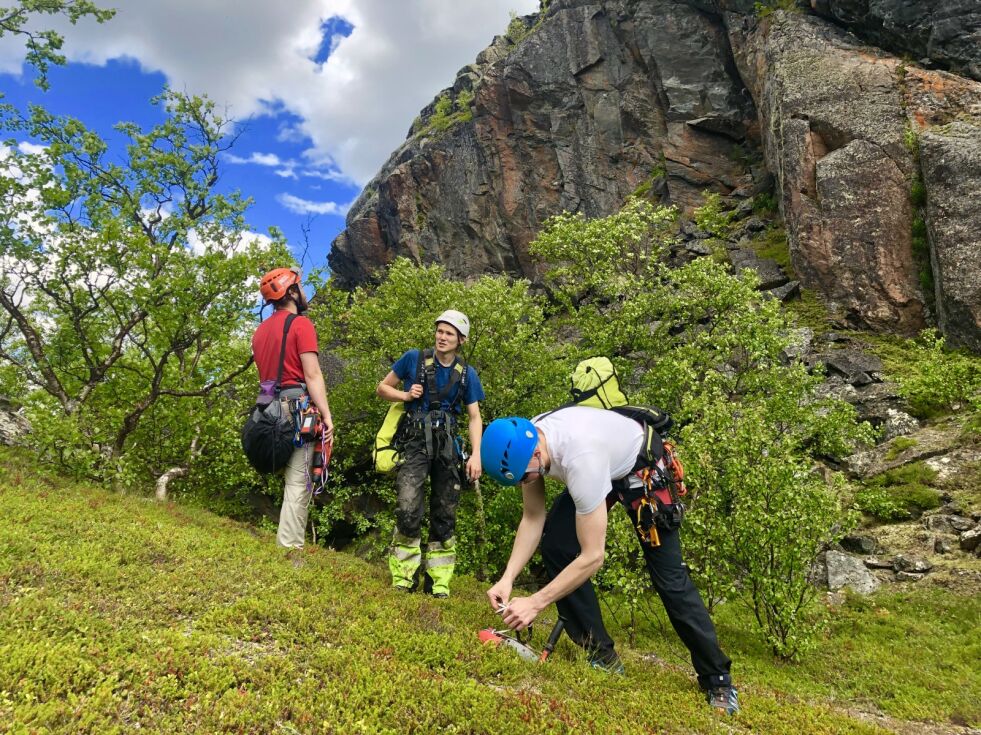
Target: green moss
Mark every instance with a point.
(115, 612)
(772, 243)
(809, 311)
(647, 186)
(900, 494)
(899, 445)
(766, 8)
(765, 203)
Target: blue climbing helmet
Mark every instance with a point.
(507, 447)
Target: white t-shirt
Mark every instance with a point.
(588, 449)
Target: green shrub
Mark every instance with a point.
(899, 494)
(712, 218)
(759, 516)
(766, 8)
(935, 380)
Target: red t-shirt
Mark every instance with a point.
(267, 340)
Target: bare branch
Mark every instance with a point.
(210, 386)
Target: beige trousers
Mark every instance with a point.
(296, 501)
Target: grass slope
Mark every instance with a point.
(117, 613)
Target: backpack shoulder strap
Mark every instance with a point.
(459, 375)
(282, 350)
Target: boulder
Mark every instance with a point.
(845, 570)
(874, 562)
(917, 565)
(930, 442)
(970, 540)
(859, 544)
(13, 426)
(786, 292)
(908, 577)
(767, 270)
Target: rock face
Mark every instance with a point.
(951, 157)
(603, 98)
(943, 32)
(13, 426)
(838, 123)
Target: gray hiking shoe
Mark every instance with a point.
(610, 665)
(725, 699)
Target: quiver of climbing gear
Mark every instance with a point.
(427, 416)
(267, 436)
(658, 503)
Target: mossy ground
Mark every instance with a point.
(118, 613)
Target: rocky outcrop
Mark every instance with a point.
(951, 160)
(13, 426)
(942, 32)
(603, 98)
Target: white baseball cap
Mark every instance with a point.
(457, 319)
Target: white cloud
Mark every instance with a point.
(200, 244)
(30, 148)
(256, 57)
(260, 159)
(304, 206)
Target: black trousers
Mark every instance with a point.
(443, 471)
(686, 611)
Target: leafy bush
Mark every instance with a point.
(936, 380)
(704, 346)
(127, 299)
(507, 319)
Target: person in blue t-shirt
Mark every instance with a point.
(434, 393)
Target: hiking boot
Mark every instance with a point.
(724, 699)
(612, 665)
(441, 595)
(405, 589)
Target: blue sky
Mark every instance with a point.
(323, 94)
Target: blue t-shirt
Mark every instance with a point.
(405, 369)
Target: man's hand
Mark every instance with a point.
(414, 392)
(474, 468)
(498, 595)
(521, 612)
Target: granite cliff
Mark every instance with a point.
(869, 153)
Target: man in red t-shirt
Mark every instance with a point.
(301, 375)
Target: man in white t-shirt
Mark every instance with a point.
(594, 453)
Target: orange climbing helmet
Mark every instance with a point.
(276, 283)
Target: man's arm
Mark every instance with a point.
(591, 532)
(526, 540)
(389, 389)
(476, 430)
(314, 379)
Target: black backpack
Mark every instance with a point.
(267, 437)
